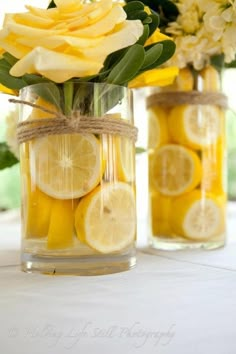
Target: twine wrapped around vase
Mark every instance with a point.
(174, 98)
(76, 123)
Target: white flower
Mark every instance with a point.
(203, 29)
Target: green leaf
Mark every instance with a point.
(230, 65)
(138, 15)
(128, 66)
(155, 22)
(152, 55)
(4, 65)
(32, 79)
(9, 58)
(140, 150)
(147, 21)
(144, 36)
(51, 5)
(113, 59)
(7, 159)
(133, 6)
(50, 93)
(11, 82)
(167, 52)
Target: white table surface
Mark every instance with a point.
(180, 302)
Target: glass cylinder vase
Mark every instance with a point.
(187, 162)
(78, 178)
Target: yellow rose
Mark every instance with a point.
(71, 40)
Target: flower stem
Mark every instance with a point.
(68, 97)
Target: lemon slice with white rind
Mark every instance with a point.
(175, 170)
(105, 219)
(66, 166)
(197, 217)
(157, 127)
(196, 126)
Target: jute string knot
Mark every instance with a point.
(58, 123)
(174, 98)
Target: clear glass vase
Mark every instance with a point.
(187, 163)
(78, 188)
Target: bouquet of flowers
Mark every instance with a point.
(74, 41)
(203, 31)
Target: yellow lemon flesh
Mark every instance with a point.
(185, 80)
(213, 168)
(195, 126)
(66, 166)
(210, 79)
(157, 127)
(195, 219)
(175, 170)
(105, 218)
(38, 210)
(160, 214)
(61, 227)
(125, 159)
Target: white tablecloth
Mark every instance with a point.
(172, 303)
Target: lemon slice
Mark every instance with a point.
(126, 159)
(185, 81)
(198, 217)
(37, 213)
(210, 79)
(66, 166)
(214, 168)
(157, 127)
(175, 170)
(106, 218)
(61, 227)
(195, 126)
(160, 214)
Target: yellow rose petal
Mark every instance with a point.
(63, 5)
(157, 36)
(31, 32)
(55, 66)
(10, 45)
(128, 33)
(72, 40)
(33, 20)
(105, 25)
(155, 77)
(54, 42)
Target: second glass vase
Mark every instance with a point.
(187, 165)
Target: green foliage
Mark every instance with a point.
(167, 10)
(128, 66)
(218, 62)
(51, 4)
(50, 92)
(7, 159)
(152, 54)
(168, 49)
